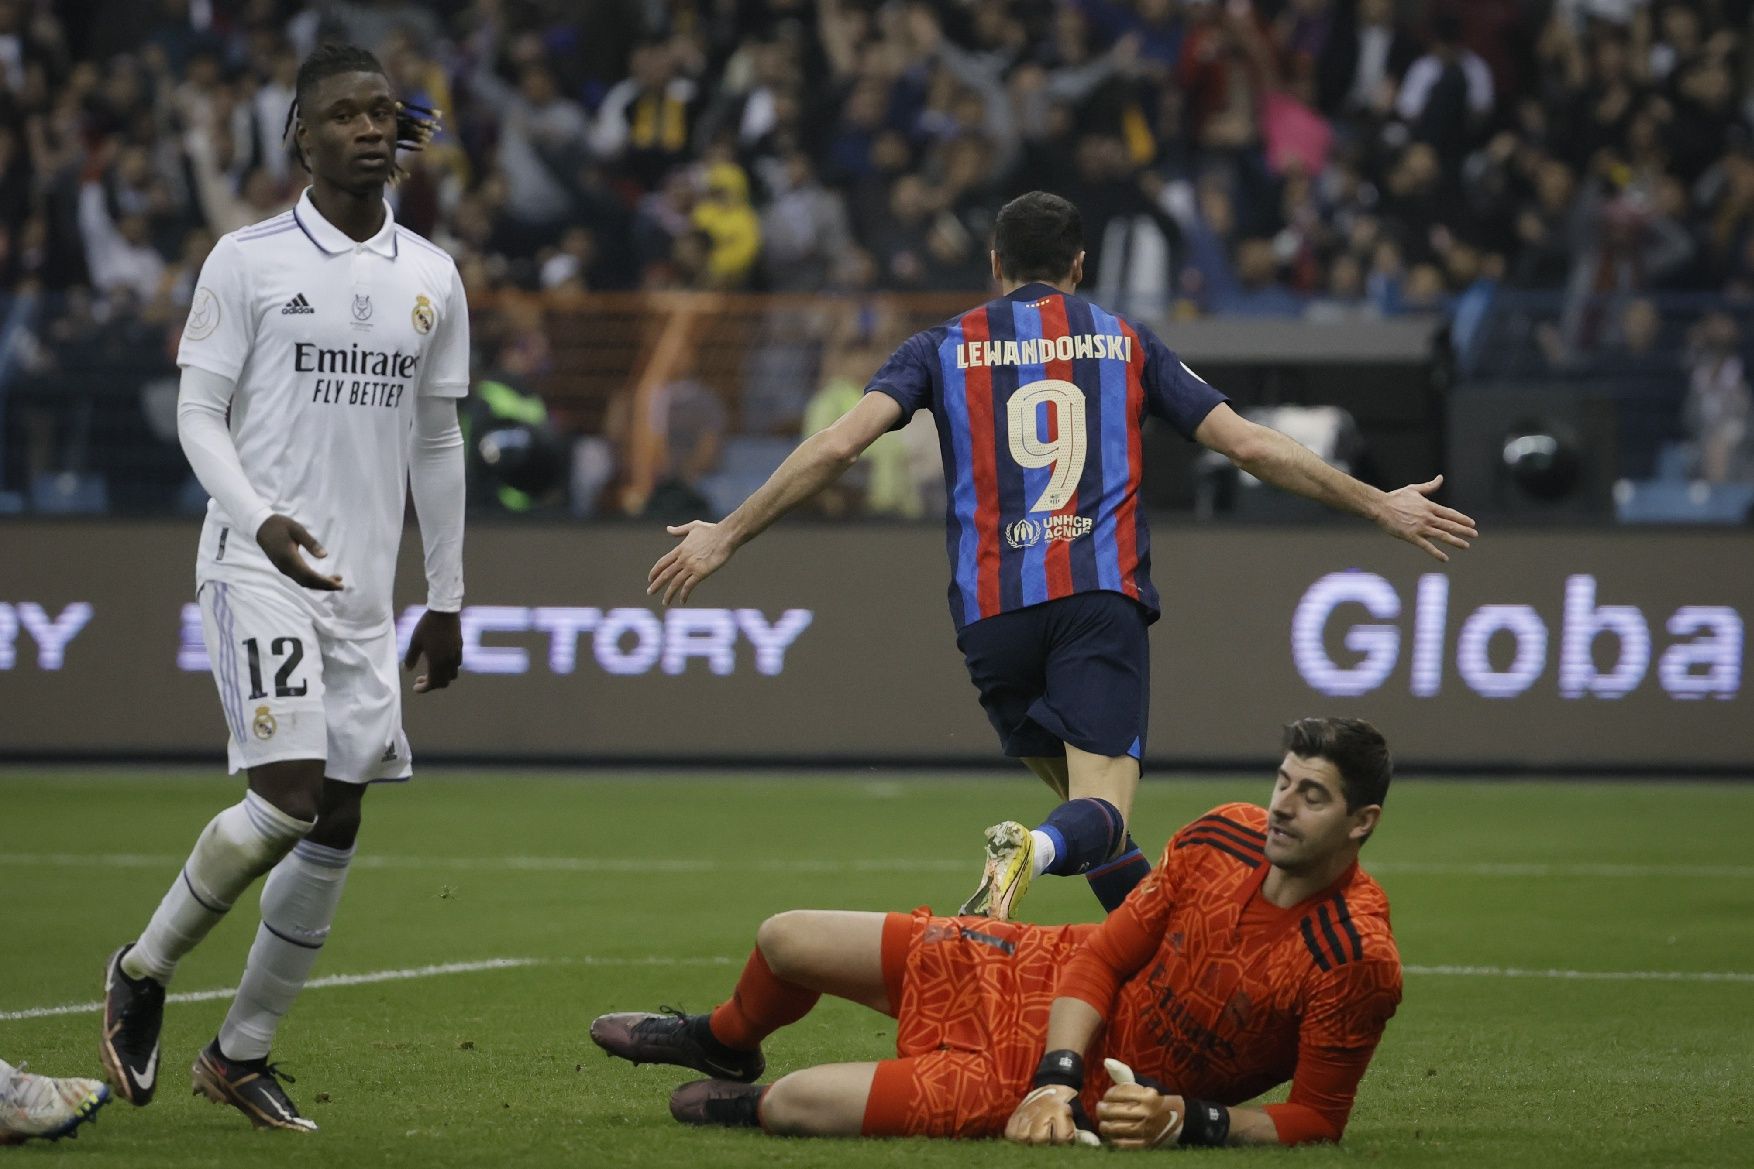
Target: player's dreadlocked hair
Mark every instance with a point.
(415, 125)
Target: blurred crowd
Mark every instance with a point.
(1330, 159)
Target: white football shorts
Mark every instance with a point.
(290, 691)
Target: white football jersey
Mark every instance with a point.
(329, 341)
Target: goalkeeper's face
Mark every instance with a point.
(1307, 820)
(348, 131)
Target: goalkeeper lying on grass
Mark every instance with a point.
(1257, 952)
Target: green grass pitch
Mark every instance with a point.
(623, 891)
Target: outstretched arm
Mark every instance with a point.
(1405, 513)
(819, 460)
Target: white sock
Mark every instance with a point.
(236, 847)
(1044, 851)
(298, 906)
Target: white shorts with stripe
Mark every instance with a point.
(290, 691)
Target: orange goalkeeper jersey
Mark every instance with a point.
(1221, 995)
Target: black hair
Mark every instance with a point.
(1356, 749)
(415, 125)
(1038, 236)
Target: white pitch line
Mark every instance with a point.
(1515, 869)
(642, 865)
(225, 992)
(664, 960)
(1586, 975)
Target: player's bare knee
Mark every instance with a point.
(776, 938)
(786, 1107)
(781, 940)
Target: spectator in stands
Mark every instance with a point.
(645, 122)
(1447, 95)
(567, 264)
(1343, 298)
(1361, 61)
(118, 253)
(1719, 408)
(732, 229)
(1259, 291)
(693, 421)
(1222, 69)
(544, 137)
(805, 231)
(872, 141)
(371, 23)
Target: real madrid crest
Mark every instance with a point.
(424, 316)
(203, 316)
(264, 726)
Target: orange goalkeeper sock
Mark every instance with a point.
(762, 1003)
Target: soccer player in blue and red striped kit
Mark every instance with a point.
(1040, 398)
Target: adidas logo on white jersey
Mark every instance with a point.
(297, 304)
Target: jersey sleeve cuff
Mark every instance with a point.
(895, 396)
(446, 390)
(252, 523)
(211, 364)
(1194, 423)
(444, 602)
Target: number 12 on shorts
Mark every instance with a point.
(291, 649)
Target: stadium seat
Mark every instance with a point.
(748, 455)
(1674, 461)
(1653, 501)
(744, 465)
(69, 493)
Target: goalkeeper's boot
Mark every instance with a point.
(722, 1102)
(48, 1107)
(252, 1086)
(672, 1037)
(1009, 869)
(133, 1015)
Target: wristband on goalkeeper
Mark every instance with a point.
(1205, 1123)
(1064, 1068)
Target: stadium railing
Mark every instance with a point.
(687, 400)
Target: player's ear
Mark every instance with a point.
(998, 272)
(1077, 275)
(1364, 822)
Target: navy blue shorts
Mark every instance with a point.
(1076, 670)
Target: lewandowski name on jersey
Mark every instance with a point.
(1037, 351)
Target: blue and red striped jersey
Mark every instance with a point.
(1040, 399)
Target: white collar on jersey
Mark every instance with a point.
(332, 240)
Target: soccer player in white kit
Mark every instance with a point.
(322, 361)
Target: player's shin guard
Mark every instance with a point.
(762, 1003)
(298, 906)
(236, 847)
(1112, 882)
(1085, 832)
